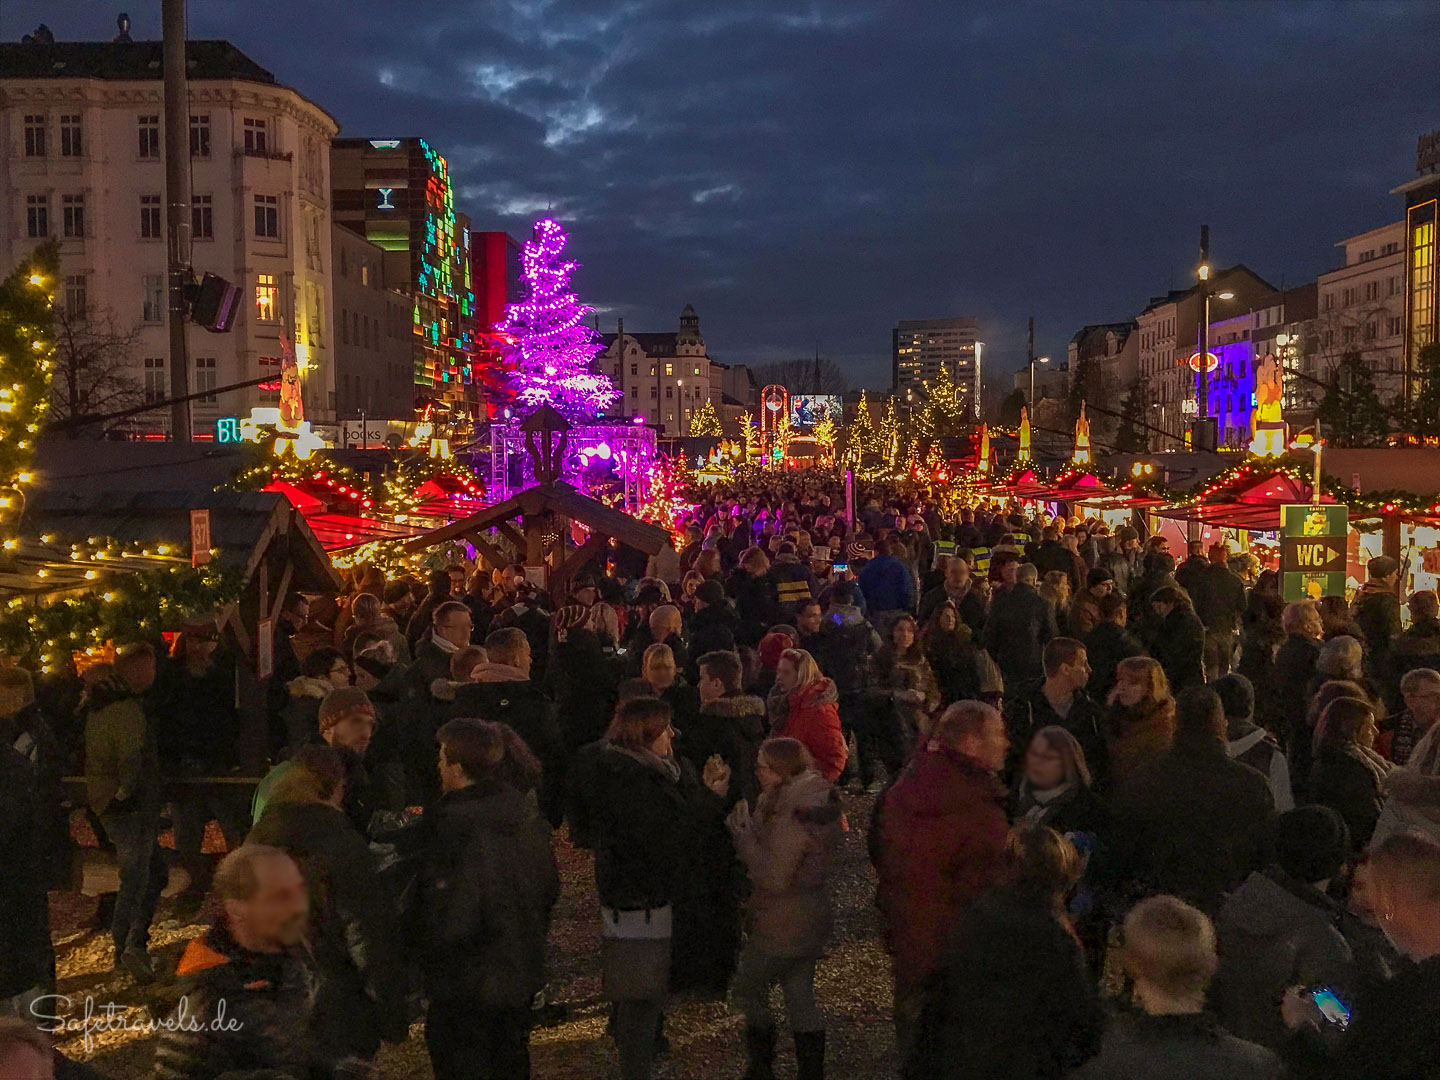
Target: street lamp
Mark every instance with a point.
(680, 389)
(979, 348)
(1203, 404)
(1036, 360)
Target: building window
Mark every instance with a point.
(697, 369)
(1422, 283)
(37, 215)
(267, 217)
(1396, 326)
(669, 369)
(154, 308)
(635, 369)
(670, 418)
(70, 143)
(72, 215)
(634, 392)
(205, 376)
(267, 293)
(150, 218)
(35, 136)
(154, 379)
(1372, 290)
(202, 217)
(200, 136)
(149, 136)
(77, 300)
(344, 327)
(669, 391)
(1372, 331)
(256, 141)
(654, 392)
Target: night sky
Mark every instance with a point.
(807, 173)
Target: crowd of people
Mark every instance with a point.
(1131, 817)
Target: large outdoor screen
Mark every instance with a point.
(807, 410)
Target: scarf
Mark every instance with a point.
(449, 648)
(1378, 766)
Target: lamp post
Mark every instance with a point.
(1033, 361)
(680, 389)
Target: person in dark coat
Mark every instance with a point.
(1261, 634)
(956, 589)
(583, 677)
(1377, 608)
(937, 842)
(1193, 574)
(24, 728)
(324, 669)
(1280, 928)
(487, 882)
(963, 670)
(663, 627)
(1013, 1000)
(1139, 719)
(1418, 647)
(713, 625)
(1219, 605)
(1179, 641)
(422, 618)
(1295, 662)
(1018, 627)
(1159, 572)
(1060, 700)
(1394, 1030)
(27, 960)
(450, 630)
(123, 786)
(639, 808)
(502, 691)
(756, 602)
(793, 580)
(360, 999)
(1169, 952)
(1249, 743)
(1193, 822)
(1108, 644)
(248, 985)
(1056, 788)
(1349, 775)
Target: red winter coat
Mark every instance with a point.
(938, 843)
(812, 715)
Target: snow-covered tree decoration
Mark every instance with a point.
(552, 348)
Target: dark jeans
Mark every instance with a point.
(636, 1023)
(226, 804)
(470, 1041)
(142, 875)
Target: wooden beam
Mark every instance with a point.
(487, 551)
(594, 543)
(278, 604)
(505, 529)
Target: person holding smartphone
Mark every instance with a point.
(1393, 1030)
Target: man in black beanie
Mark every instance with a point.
(1249, 743)
(1280, 928)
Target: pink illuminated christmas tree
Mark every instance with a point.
(552, 349)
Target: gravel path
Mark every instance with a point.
(706, 1037)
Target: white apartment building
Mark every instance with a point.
(1361, 309)
(83, 132)
(664, 378)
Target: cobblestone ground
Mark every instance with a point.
(706, 1037)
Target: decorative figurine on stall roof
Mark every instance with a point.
(1082, 439)
(1270, 429)
(983, 465)
(1024, 452)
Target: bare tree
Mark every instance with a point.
(94, 369)
(811, 375)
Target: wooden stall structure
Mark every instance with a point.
(535, 520)
(259, 533)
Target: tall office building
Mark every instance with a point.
(920, 348)
(396, 193)
(1422, 252)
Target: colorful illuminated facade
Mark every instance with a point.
(1422, 253)
(397, 194)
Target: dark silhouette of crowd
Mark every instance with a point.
(1127, 816)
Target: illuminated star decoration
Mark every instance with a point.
(552, 348)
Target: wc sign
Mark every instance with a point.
(1313, 542)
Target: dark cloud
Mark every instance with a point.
(806, 173)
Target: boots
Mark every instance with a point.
(810, 1055)
(759, 1053)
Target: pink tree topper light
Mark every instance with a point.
(552, 348)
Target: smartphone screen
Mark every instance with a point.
(840, 567)
(1330, 1006)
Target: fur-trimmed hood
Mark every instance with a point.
(307, 686)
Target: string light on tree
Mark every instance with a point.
(705, 421)
(551, 347)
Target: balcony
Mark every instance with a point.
(267, 155)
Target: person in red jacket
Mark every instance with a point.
(938, 843)
(805, 705)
